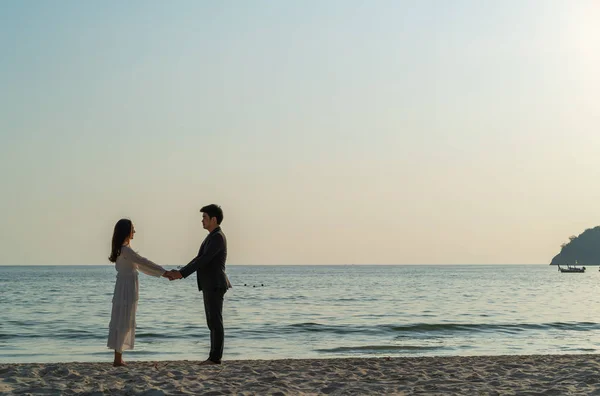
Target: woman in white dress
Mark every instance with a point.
(121, 335)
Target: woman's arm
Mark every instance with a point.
(145, 265)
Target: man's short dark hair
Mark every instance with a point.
(213, 210)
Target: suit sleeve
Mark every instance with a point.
(212, 248)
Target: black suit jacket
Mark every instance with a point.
(209, 265)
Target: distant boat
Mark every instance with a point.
(572, 268)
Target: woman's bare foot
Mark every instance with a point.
(119, 360)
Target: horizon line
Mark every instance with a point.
(289, 265)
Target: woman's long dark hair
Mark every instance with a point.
(122, 231)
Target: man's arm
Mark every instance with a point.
(212, 248)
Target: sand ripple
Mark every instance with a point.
(497, 375)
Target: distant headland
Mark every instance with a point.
(584, 248)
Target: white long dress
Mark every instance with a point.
(121, 334)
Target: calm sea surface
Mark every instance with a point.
(61, 313)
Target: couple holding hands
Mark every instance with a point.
(209, 266)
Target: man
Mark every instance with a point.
(209, 266)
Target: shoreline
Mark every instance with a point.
(445, 375)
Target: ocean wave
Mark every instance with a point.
(425, 328)
(267, 331)
(494, 327)
(379, 348)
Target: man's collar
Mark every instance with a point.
(215, 230)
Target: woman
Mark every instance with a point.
(121, 334)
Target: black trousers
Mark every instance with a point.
(213, 307)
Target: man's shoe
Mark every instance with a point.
(208, 362)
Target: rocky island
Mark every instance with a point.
(584, 248)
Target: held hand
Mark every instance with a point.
(173, 274)
(177, 275)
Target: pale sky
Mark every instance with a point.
(331, 132)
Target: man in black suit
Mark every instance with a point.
(209, 266)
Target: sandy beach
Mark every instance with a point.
(488, 375)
